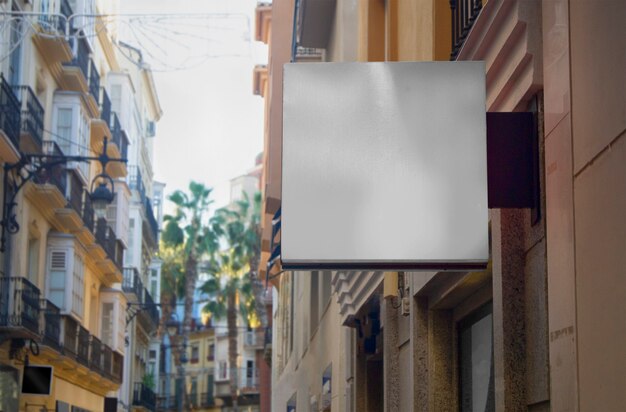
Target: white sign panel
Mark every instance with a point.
(384, 166)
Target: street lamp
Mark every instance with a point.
(31, 165)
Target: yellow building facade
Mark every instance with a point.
(62, 304)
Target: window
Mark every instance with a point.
(78, 286)
(15, 62)
(194, 391)
(66, 280)
(64, 129)
(211, 355)
(153, 288)
(116, 98)
(108, 324)
(56, 277)
(476, 386)
(195, 354)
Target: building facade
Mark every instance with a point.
(526, 332)
(63, 294)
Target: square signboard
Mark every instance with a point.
(384, 166)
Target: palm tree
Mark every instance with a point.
(197, 237)
(230, 287)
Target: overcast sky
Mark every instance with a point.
(212, 124)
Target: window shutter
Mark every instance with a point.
(108, 319)
(57, 274)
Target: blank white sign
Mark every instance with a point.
(384, 166)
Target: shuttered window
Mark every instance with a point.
(57, 269)
(108, 320)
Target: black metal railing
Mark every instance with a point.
(81, 55)
(51, 320)
(9, 112)
(135, 182)
(88, 213)
(107, 361)
(19, 304)
(464, 14)
(105, 107)
(124, 145)
(152, 222)
(70, 335)
(116, 130)
(144, 396)
(82, 348)
(76, 190)
(94, 80)
(132, 283)
(117, 370)
(151, 309)
(96, 355)
(55, 175)
(105, 237)
(32, 113)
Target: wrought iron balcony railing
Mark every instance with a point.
(105, 237)
(253, 338)
(81, 55)
(105, 107)
(51, 321)
(144, 396)
(9, 112)
(135, 182)
(94, 81)
(96, 359)
(19, 304)
(70, 335)
(117, 370)
(132, 283)
(76, 190)
(32, 114)
(152, 222)
(88, 213)
(82, 348)
(56, 175)
(151, 309)
(464, 14)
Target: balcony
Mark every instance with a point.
(151, 313)
(70, 216)
(96, 360)
(32, 115)
(9, 123)
(19, 307)
(93, 98)
(254, 339)
(135, 182)
(106, 238)
(118, 148)
(247, 381)
(151, 220)
(50, 37)
(144, 396)
(101, 128)
(49, 186)
(78, 345)
(132, 285)
(75, 73)
(207, 399)
(82, 347)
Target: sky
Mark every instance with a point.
(212, 124)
